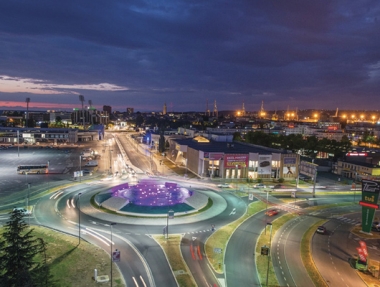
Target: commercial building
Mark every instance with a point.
(14, 135)
(232, 160)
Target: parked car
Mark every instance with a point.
(87, 171)
(223, 185)
(260, 185)
(321, 230)
(272, 212)
(279, 186)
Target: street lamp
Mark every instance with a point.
(110, 158)
(236, 177)
(171, 216)
(266, 213)
(80, 168)
(78, 204)
(270, 246)
(28, 203)
(111, 224)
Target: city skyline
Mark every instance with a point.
(139, 54)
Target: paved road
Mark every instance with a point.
(332, 252)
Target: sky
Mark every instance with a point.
(143, 54)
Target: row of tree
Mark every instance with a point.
(22, 256)
(309, 146)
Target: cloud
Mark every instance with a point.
(36, 86)
(301, 53)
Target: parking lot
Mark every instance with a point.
(63, 161)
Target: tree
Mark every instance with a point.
(18, 251)
(58, 121)
(161, 143)
(237, 137)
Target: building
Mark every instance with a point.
(107, 109)
(232, 160)
(358, 170)
(13, 135)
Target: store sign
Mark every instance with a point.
(290, 160)
(370, 196)
(235, 160)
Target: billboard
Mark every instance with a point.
(289, 170)
(233, 160)
(370, 196)
(265, 164)
(308, 168)
(290, 160)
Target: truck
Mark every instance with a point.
(92, 163)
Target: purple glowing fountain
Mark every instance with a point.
(152, 193)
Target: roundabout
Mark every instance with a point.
(117, 204)
(151, 198)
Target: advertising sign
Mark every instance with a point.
(171, 214)
(116, 256)
(265, 164)
(308, 168)
(233, 160)
(289, 170)
(290, 160)
(370, 196)
(361, 254)
(363, 246)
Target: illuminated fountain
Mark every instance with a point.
(151, 193)
(147, 197)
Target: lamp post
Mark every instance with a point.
(171, 216)
(236, 177)
(78, 204)
(28, 203)
(80, 168)
(266, 213)
(270, 246)
(110, 158)
(111, 224)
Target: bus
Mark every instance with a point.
(33, 168)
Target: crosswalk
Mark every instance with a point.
(346, 220)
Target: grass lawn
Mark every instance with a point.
(307, 258)
(72, 264)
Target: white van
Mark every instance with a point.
(92, 163)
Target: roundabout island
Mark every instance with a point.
(151, 198)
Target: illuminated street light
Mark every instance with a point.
(78, 204)
(28, 203)
(80, 168)
(269, 253)
(111, 224)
